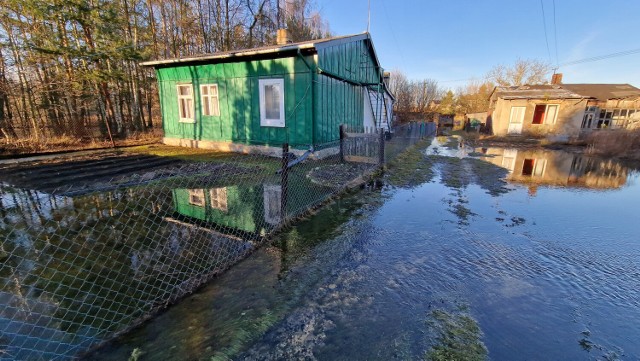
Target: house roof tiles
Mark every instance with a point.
(567, 91)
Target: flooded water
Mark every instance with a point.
(445, 259)
(505, 254)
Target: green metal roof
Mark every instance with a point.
(274, 50)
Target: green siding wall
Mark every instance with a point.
(244, 208)
(337, 102)
(239, 119)
(353, 61)
(315, 104)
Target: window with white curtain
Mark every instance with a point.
(185, 103)
(271, 102)
(209, 100)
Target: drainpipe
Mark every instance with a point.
(313, 98)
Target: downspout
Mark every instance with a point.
(339, 77)
(313, 97)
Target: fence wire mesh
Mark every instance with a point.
(85, 259)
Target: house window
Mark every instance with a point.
(617, 118)
(209, 99)
(587, 120)
(545, 114)
(271, 102)
(605, 118)
(534, 167)
(196, 197)
(185, 103)
(218, 198)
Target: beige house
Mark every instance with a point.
(565, 110)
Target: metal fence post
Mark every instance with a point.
(381, 150)
(284, 181)
(342, 139)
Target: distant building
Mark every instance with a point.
(563, 109)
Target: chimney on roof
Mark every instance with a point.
(386, 76)
(282, 37)
(556, 78)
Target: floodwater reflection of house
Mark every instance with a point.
(239, 210)
(556, 168)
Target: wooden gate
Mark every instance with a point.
(367, 147)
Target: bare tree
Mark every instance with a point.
(401, 88)
(413, 97)
(523, 71)
(424, 93)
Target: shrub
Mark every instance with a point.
(615, 143)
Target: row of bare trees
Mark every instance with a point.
(414, 98)
(424, 98)
(71, 67)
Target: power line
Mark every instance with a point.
(393, 33)
(555, 31)
(601, 57)
(544, 24)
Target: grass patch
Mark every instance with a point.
(63, 143)
(458, 338)
(619, 143)
(411, 168)
(184, 153)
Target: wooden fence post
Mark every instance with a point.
(342, 140)
(284, 180)
(381, 148)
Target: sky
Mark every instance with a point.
(453, 41)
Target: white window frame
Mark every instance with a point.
(264, 121)
(546, 113)
(218, 199)
(196, 197)
(184, 118)
(555, 116)
(212, 99)
(539, 166)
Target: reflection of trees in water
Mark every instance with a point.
(97, 264)
(597, 173)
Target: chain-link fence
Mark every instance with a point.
(87, 261)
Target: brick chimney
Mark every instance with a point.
(556, 78)
(282, 37)
(386, 76)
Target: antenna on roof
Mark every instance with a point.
(368, 15)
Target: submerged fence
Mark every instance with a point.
(85, 263)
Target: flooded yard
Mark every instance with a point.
(455, 253)
(444, 260)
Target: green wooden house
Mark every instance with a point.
(257, 99)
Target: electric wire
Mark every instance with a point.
(544, 25)
(600, 57)
(555, 32)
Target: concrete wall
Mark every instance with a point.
(568, 121)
